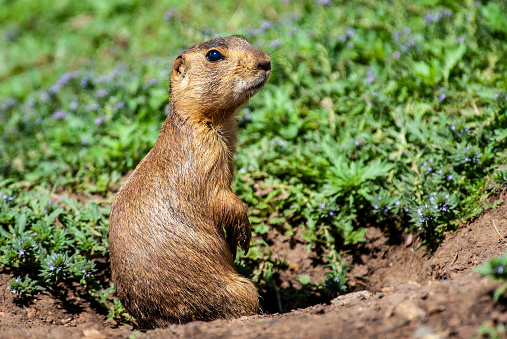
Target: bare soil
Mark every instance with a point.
(399, 291)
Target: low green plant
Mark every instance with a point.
(496, 269)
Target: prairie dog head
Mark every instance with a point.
(219, 75)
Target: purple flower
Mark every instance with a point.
(54, 89)
(275, 43)
(250, 167)
(169, 14)
(266, 25)
(44, 96)
(428, 19)
(323, 2)
(101, 93)
(447, 12)
(253, 32)
(59, 115)
(280, 143)
(120, 105)
(21, 252)
(449, 176)
(73, 105)
(322, 205)
(496, 95)
(442, 97)
(396, 55)
(98, 121)
(32, 102)
(92, 107)
(84, 81)
(350, 32)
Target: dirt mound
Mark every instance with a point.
(401, 291)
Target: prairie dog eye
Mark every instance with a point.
(214, 56)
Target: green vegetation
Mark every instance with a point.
(377, 112)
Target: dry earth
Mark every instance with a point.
(401, 291)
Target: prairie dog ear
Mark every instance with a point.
(179, 65)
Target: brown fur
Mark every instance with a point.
(171, 261)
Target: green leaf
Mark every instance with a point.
(452, 57)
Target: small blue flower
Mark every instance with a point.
(396, 55)
(120, 105)
(266, 25)
(442, 97)
(350, 32)
(275, 43)
(499, 269)
(280, 143)
(428, 19)
(98, 121)
(250, 167)
(322, 205)
(54, 89)
(73, 105)
(84, 81)
(169, 14)
(101, 93)
(59, 115)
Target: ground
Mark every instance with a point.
(400, 290)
